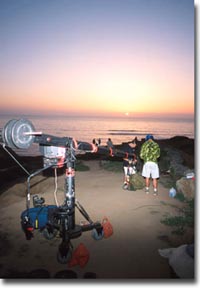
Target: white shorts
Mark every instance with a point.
(129, 171)
(150, 169)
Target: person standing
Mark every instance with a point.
(110, 143)
(129, 162)
(149, 153)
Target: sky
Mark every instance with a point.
(97, 57)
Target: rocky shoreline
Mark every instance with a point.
(177, 156)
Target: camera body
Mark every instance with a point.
(53, 155)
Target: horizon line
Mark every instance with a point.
(101, 115)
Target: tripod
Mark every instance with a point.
(64, 217)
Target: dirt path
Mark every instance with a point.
(131, 252)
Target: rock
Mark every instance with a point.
(181, 260)
(176, 162)
(186, 187)
(184, 145)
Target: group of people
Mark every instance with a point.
(149, 153)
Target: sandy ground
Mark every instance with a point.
(131, 252)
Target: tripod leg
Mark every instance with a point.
(97, 229)
(83, 212)
(64, 253)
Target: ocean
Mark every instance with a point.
(121, 129)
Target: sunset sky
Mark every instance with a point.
(112, 57)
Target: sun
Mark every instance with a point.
(127, 113)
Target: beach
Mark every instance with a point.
(130, 253)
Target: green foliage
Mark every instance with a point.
(180, 197)
(167, 181)
(172, 172)
(137, 182)
(114, 166)
(184, 220)
(81, 167)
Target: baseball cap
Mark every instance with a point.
(149, 136)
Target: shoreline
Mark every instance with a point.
(10, 172)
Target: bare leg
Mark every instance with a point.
(155, 183)
(147, 182)
(126, 178)
(125, 174)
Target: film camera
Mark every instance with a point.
(52, 220)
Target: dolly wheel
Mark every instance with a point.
(97, 234)
(64, 254)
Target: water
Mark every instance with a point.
(118, 129)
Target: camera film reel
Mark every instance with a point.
(17, 134)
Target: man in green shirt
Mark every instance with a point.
(150, 152)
